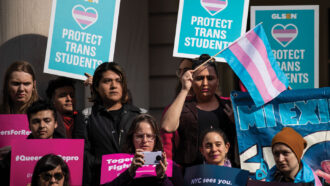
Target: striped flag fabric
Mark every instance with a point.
(214, 6)
(252, 60)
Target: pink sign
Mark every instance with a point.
(13, 127)
(115, 164)
(26, 153)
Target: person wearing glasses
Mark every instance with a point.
(51, 170)
(142, 136)
(188, 118)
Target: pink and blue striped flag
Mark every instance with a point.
(252, 60)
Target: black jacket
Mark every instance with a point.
(101, 140)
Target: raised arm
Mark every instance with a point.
(170, 120)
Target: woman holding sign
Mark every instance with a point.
(19, 88)
(143, 139)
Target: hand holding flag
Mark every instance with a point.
(252, 60)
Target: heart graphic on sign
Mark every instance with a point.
(284, 35)
(214, 6)
(85, 17)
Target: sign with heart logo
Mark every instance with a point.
(81, 36)
(214, 6)
(84, 17)
(284, 35)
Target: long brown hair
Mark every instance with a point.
(7, 103)
(98, 74)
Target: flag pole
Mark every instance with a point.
(212, 59)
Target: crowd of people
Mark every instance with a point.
(197, 127)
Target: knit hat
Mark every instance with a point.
(292, 139)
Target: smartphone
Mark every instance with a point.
(152, 158)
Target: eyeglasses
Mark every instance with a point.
(180, 71)
(46, 176)
(140, 137)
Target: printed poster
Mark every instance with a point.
(13, 127)
(26, 153)
(293, 33)
(304, 110)
(115, 164)
(208, 26)
(82, 35)
(206, 174)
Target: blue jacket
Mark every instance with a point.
(305, 174)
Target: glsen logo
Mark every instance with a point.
(284, 35)
(214, 6)
(284, 16)
(85, 17)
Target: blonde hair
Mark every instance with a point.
(7, 103)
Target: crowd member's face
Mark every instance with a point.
(205, 83)
(183, 67)
(53, 177)
(110, 87)
(214, 149)
(144, 137)
(64, 99)
(285, 159)
(42, 124)
(20, 87)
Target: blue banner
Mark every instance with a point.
(82, 35)
(205, 174)
(208, 26)
(293, 33)
(305, 110)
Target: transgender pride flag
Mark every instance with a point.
(214, 6)
(252, 60)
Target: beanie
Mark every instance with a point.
(292, 139)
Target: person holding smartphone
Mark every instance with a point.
(144, 136)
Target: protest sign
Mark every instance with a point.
(26, 153)
(206, 174)
(115, 164)
(306, 111)
(208, 26)
(263, 183)
(293, 33)
(13, 127)
(82, 35)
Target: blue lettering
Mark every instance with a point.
(245, 114)
(308, 112)
(287, 114)
(323, 110)
(269, 115)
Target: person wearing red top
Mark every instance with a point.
(61, 94)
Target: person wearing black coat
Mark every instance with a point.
(109, 119)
